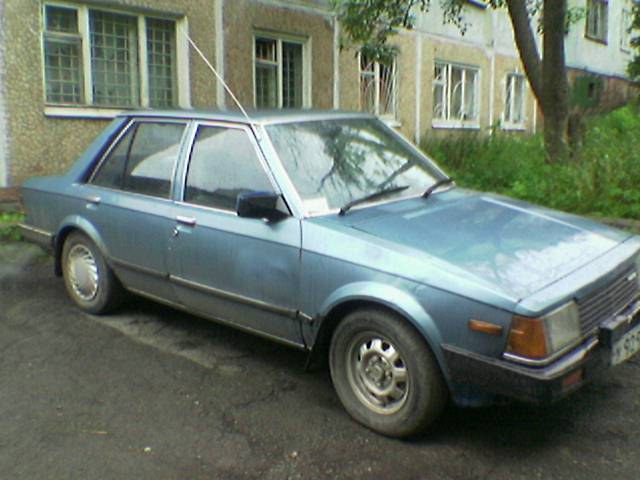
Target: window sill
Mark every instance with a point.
(391, 122)
(514, 127)
(601, 41)
(61, 111)
(455, 125)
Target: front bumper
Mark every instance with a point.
(545, 384)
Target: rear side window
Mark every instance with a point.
(144, 160)
(224, 163)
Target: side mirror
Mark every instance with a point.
(259, 205)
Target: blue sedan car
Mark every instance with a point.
(331, 233)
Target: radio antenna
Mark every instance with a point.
(220, 79)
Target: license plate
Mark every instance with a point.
(628, 345)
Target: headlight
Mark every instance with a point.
(537, 338)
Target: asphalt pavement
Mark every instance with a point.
(152, 393)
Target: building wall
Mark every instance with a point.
(4, 133)
(44, 144)
(303, 20)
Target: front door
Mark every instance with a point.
(239, 270)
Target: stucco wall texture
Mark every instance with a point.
(42, 145)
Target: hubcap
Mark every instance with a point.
(83, 272)
(377, 373)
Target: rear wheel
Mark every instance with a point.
(385, 374)
(89, 281)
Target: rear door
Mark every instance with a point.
(128, 202)
(243, 271)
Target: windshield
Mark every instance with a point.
(334, 162)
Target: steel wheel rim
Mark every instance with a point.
(83, 272)
(377, 373)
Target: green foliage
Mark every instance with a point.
(8, 228)
(603, 181)
(634, 66)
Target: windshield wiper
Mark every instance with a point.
(438, 184)
(380, 193)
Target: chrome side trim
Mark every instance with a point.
(286, 312)
(570, 358)
(253, 331)
(36, 235)
(131, 266)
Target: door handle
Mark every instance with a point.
(190, 221)
(93, 199)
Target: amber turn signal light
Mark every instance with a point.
(527, 338)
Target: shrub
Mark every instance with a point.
(602, 179)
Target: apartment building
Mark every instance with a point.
(68, 66)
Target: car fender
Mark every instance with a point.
(76, 222)
(393, 298)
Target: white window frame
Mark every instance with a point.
(626, 19)
(306, 65)
(510, 83)
(87, 108)
(449, 122)
(593, 30)
(390, 117)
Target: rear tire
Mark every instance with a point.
(385, 374)
(89, 281)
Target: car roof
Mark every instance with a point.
(255, 116)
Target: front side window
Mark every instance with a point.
(130, 59)
(514, 100)
(143, 161)
(597, 19)
(332, 162)
(223, 164)
(378, 87)
(455, 94)
(279, 73)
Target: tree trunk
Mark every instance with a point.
(555, 86)
(547, 76)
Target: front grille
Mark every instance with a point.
(601, 304)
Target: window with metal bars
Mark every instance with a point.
(279, 73)
(108, 59)
(455, 94)
(514, 100)
(378, 87)
(597, 20)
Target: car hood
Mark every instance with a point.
(515, 247)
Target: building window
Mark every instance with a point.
(625, 30)
(514, 100)
(378, 87)
(107, 59)
(597, 19)
(455, 94)
(280, 73)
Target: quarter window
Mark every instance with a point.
(514, 100)
(377, 87)
(108, 59)
(455, 94)
(597, 19)
(224, 163)
(144, 160)
(279, 73)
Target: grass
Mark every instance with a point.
(602, 179)
(8, 226)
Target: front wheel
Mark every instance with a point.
(89, 281)
(385, 374)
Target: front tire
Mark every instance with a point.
(385, 374)
(89, 281)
